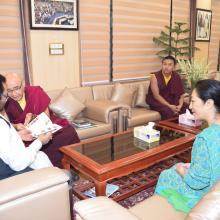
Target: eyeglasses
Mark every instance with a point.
(15, 89)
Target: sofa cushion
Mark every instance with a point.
(156, 208)
(123, 94)
(208, 207)
(100, 208)
(141, 95)
(66, 105)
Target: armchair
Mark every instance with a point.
(153, 208)
(39, 194)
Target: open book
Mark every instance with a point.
(42, 124)
(110, 189)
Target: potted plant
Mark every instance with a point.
(175, 41)
(194, 70)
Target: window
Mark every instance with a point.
(134, 24)
(11, 56)
(94, 40)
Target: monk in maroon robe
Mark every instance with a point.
(166, 91)
(36, 101)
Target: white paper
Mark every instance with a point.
(149, 126)
(189, 115)
(42, 124)
(110, 189)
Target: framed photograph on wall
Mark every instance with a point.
(203, 24)
(54, 14)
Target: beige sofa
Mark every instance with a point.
(36, 195)
(137, 111)
(153, 208)
(113, 107)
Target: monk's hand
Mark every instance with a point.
(45, 138)
(28, 118)
(182, 169)
(19, 126)
(179, 107)
(173, 108)
(25, 135)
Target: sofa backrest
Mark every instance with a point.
(96, 92)
(83, 94)
(103, 92)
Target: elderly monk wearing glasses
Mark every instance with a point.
(24, 102)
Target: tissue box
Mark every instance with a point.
(183, 119)
(146, 135)
(145, 145)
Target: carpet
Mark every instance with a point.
(135, 199)
(144, 179)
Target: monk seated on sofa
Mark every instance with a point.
(166, 90)
(26, 101)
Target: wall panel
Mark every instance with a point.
(215, 35)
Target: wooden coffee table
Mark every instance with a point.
(116, 155)
(173, 123)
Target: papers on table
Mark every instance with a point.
(110, 189)
(42, 124)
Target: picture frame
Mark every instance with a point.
(54, 14)
(203, 24)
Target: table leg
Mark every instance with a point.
(65, 163)
(100, 188)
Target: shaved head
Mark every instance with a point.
(13, 77)
(15, 86)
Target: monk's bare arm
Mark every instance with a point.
(155, 91)
(47, 112)
(181, 102)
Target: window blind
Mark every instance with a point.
(135, 23)
(215, 36)
(11, 56)
(181, 11)
(94, 41)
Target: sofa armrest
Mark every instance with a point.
(31, 182)
(208, 207)
(100, 208)
(99, 109)
(123, 119)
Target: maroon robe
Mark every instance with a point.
(37, 101)
(170, 92)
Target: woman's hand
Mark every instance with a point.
(182, 169)
(25, 135)
(45, 138)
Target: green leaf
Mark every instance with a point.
(174, 40)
